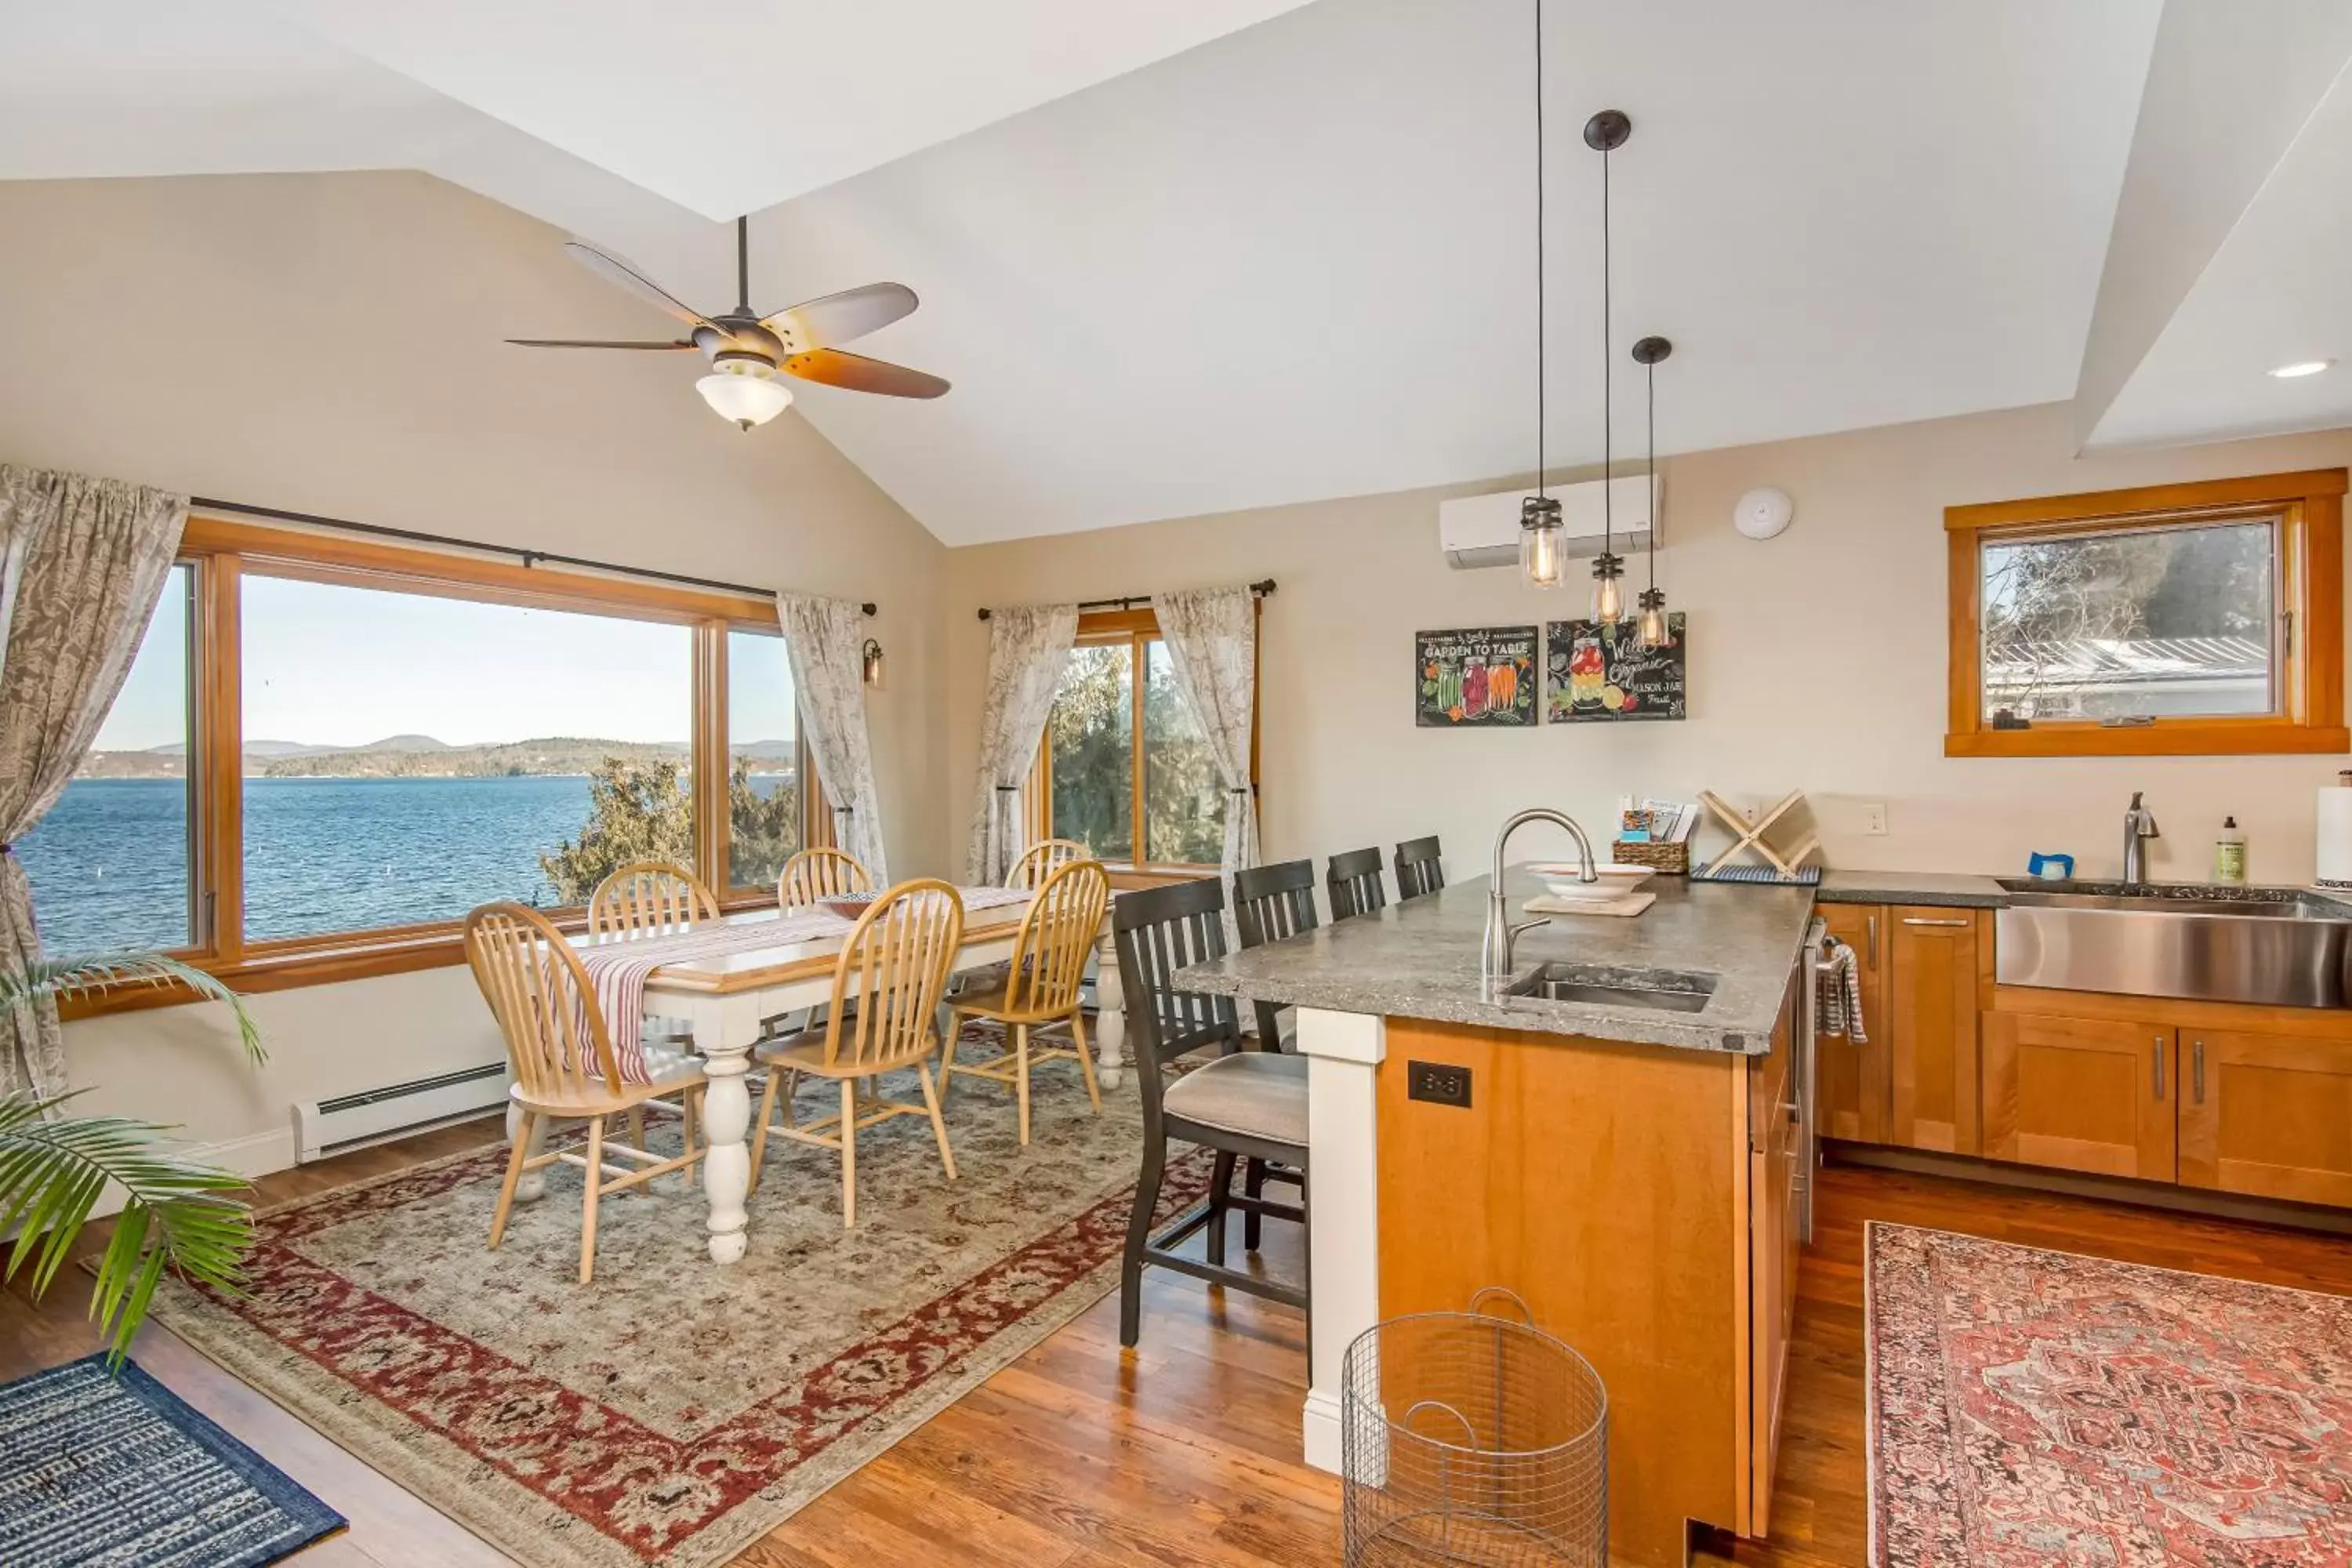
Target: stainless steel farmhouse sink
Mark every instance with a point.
(1662, 990)
(2214, 944)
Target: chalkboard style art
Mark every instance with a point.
(1599, 672)
(1483, 677)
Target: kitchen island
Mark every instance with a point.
(1623, 1153)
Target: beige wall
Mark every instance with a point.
(1817, 661)
(332, 343)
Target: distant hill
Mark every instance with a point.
(401, 743)
(422, 757)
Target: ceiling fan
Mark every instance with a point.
(749, 354)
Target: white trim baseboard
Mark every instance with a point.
(1326, 1436)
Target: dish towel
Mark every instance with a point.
(1839, 983)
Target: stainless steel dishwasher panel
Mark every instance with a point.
(2157, 951)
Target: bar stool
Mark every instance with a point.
(1420, 868)
(1353, 884)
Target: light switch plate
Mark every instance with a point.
(1873, 819)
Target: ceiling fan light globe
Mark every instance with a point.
(750, 396)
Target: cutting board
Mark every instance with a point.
(1622, 906)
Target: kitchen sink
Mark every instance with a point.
(2271, 945)
(1662, 990)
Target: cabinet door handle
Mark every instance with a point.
(2197, 1072)
(1923, 921)
(1870, 934)
(2156, 1058)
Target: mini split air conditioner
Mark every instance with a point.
(1484, 531)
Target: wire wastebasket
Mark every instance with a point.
(1472, 1437)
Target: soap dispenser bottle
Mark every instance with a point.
(2230, 853)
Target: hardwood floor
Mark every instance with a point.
(1186, 1452)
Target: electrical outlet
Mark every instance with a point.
(1440, 1083)
(1873, 819)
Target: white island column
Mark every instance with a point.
(1343, 1052)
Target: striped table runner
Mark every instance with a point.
(618, 970)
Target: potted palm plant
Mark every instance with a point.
(178, 1214)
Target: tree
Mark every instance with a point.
(1093, 735)
(644, 810)
(636, 811)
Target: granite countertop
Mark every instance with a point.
(1934, 888)
(1420, 959)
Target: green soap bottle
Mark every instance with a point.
(2230, 853)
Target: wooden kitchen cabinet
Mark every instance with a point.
(2267, 1114)
(1936, 961)
(2084, 1094)
(1850, 1092)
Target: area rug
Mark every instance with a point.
(673, 1412)
(2033, 1408)
(115, 1469)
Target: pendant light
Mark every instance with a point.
(1647, 353)
(1604, 133)
(1541, 557)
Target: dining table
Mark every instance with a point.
(724, 998)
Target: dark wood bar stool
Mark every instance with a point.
(1420, 868)
(1272, 903)
(1243, 1105)
(1353, 884)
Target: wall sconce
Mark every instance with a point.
(873, 663)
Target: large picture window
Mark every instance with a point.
(1124, 768)
(328, 750)
(2182, 619)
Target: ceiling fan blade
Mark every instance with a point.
(614, 271)
(857, 373)
(832, 319)
(589, 343)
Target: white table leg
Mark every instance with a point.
(533, 1185)
(727, 1160)
(1111, 1016)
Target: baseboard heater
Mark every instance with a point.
(348, 1121)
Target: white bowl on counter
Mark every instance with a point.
(1562, 879)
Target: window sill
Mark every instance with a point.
(1126, 876)
(2215, 738)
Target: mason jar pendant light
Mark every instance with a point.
(1604, 133)
(1540, 559)
(1647, 352)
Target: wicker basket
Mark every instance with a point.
(1671, 860)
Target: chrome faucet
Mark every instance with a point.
(2139, 825)
(1502, 936)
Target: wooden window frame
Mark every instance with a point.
(222, 552)
(2309, 673)
(1135, 628)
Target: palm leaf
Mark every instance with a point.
(178, 1216)
(56, 979)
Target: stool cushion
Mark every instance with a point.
(1256, 1093)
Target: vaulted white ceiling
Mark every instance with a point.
(1185, 259)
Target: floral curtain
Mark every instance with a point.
(82, 562)
(825, 639)
(1025, 648)
(1212, 637)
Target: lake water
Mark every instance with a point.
(108, 863)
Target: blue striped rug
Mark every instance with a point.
(117, 1470)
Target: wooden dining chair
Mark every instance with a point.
(817, 874)
(1041, 988)
(1273, 903)
(564, 1065)
(1420, 868)
(1243, 1105)
(1353, 884)
(888, 984)
(645, 898)
(1043, 858)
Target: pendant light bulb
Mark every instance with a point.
(1541, 557)
(1608, 600)
(1654, 617)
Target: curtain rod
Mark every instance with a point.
(1260, 589)
(528, 557)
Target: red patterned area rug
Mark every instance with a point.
(2033, 1408)
(673, 1412)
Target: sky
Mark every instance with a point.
(327, 665)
